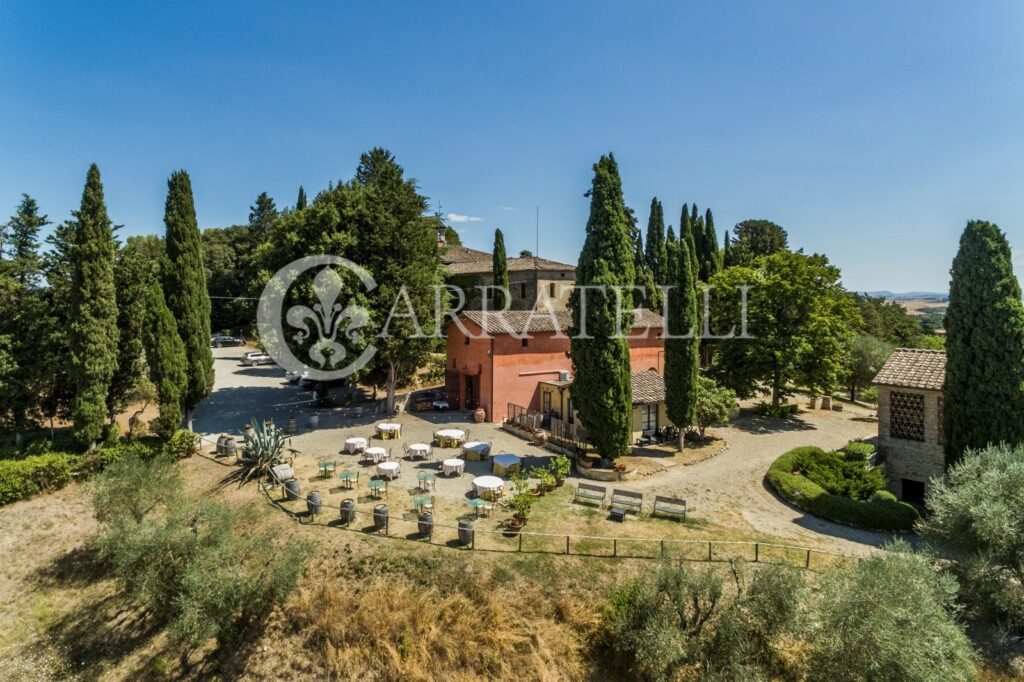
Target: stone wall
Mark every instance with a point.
(910, 459)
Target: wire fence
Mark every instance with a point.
(409, 526)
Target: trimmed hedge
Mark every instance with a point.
(877, 513)
(20, 478)
(36, 470)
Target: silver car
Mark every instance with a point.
(253, 359)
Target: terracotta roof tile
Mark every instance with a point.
(648, 387)
(914, 368)
(496, 322)
(462, 260)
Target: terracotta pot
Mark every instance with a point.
(479, 415)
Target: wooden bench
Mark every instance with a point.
(589, 491)
(628, 500)
(669, 506)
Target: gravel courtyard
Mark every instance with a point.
(728, 489)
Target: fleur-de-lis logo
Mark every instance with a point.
(329, 327)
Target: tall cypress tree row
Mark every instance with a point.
(499, 271)
(185, 289)
(984, 389)
(682, 359)
(165, 356)
(602, 388)
(132, 276)
(300, 203)
(93, 334)
(656, 255)
(687, 222)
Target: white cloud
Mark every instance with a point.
(508, 208)
(460, 218)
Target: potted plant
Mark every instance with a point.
(546, 479)
(559, 467)
(521, 504)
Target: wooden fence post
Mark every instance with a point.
(663, 549)
(709, 550)
(757, 552)
(615, 547)
(520, 542)
(566, 545)
(808, 563)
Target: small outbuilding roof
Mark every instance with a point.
(462, 260)
(648, 387)
(539, 321)
(914, 368)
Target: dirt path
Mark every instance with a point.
(730, 488)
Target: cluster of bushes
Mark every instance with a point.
(840, 486)
(45, 465)
(214, 579)
(691, 624)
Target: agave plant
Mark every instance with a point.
(265, 448)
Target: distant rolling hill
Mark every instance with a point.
(910, 295)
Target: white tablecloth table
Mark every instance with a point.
(440, 405)
(502, 465)
(389, 430)
(487, 485)
(390, 470)
(376, 453)
(355, 444)
(419, 450)
(455, 436)
(479, 450)
(452, 466)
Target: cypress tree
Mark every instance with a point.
(714, 257)
(984, 385)
(686, 233)
(682, 358)
(499, 270)
(727, 251)
(602, 387)
(132, 276)
(185, 289)
(656, 255)
(93, 324)
(300, 203)
(165, 356)
(262, 215)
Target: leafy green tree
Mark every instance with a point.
(656, 254)
(451, 236)
(975, 524)
(867, 355)
(526, 253)
(93, 333)
(131, 276)
(22, 245)
(166, 358)
(714, 404)
(227, 256)
(57, 393)
(682, 343)
(797, 326)
(860, 620)
(888, 321)
(757, 238)
(499, 271)
(262, 216)
(602, 389)
(398, 244)
(300, 203)
(185, 289)
(984, 345)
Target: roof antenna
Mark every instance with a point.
(536, 254)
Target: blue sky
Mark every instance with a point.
(870, 130)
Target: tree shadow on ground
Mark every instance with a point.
(750, 422)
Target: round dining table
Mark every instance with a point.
(355, 445)
(419, 450)
(488, 485)
(386, 431)
(453, 466)
(389, 470)
(376, 453)
(450, 437)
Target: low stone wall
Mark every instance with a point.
(606, 475)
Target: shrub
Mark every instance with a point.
(786, 476)
(880, 495)
(781, 411)
(870, 395)
(131, 488)
(21, 478)
(183, 443)
(888, 617)
(858, 450)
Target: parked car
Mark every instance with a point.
(296, 377)
(253, 359)
(225, 341)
